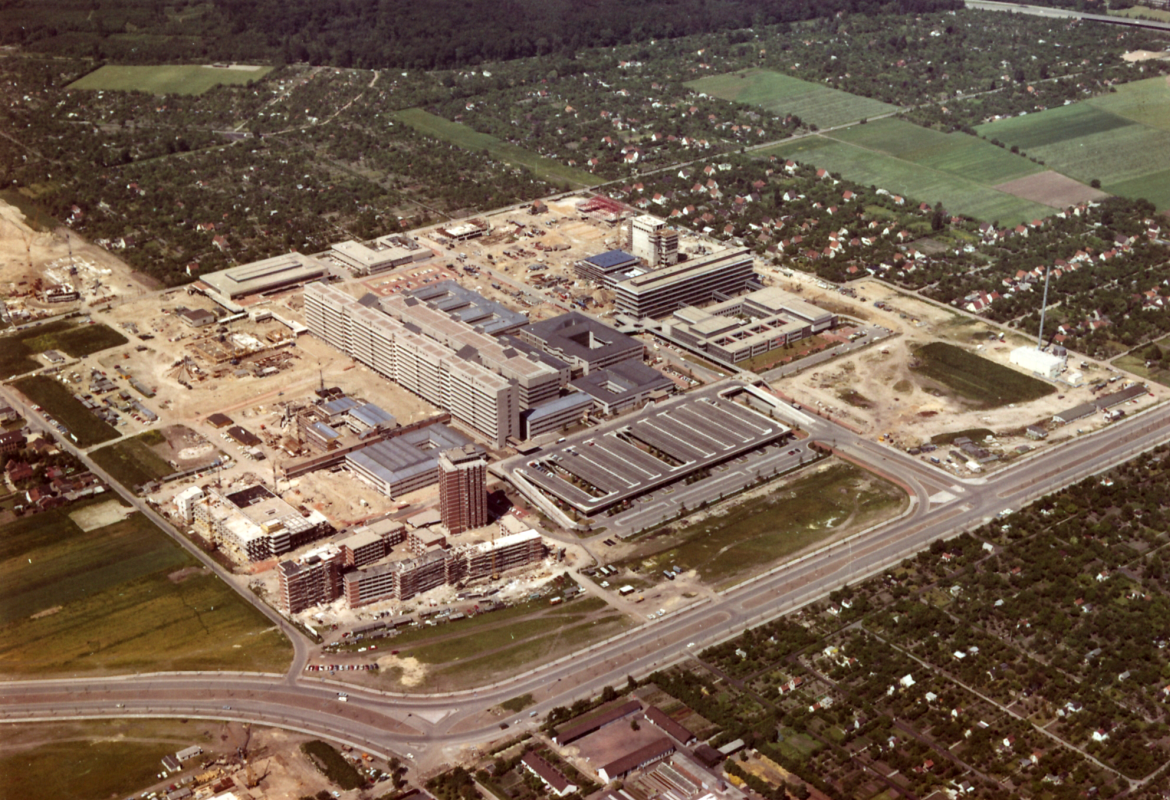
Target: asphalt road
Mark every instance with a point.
(1065, 13)
(421, 727)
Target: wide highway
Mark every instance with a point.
(422, 727)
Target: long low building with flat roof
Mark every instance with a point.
(387, 252)
(405, 463)
(746, 326)
(695, 281)
(602, 467)
(269, 275)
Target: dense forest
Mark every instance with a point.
(390, 33)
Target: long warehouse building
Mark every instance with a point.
(473, 394)
(693, 282)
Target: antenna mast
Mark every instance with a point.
(1043, 308)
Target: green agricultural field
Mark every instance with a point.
(18, 349)
(470, 139)
(119, 597)
(167, 79)
(958, 194)
(59, 403)
(1145, 102)
(1154, 187)
(977, 378)
(957, 153)
(1121, 139)
(759, 532)
(131, 462)
(780, 95)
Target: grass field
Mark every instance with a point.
(167, 79)
(470, 139)
(1137, 12)
(763, 530)
(470, 651)
(957, 153)
(114, 603)
(18, 349)
(919, 182)
(976, 378)
(131, 462)
(780, 95)
(86, 760)
(1121, 139)
(1146, 102)
(57, 401)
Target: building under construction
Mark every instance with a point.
(329, 572)
(254, 524)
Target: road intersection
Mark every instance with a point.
(421, 727)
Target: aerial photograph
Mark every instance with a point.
(617, 400)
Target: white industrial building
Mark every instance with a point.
(1046, 365)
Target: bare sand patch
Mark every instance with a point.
(99, 516)
(1144, 55)
(178, 576)
(411, 670)
(1052, 189)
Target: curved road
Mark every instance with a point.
(420, 727)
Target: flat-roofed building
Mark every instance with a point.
(606, 268)
(507, 552)
(474, 394)
(555, 414)
(622, 386)
(584, 343)
(464, 231)
(534, 379)
(371, 541)
(255, 524)
(408, 462)
(470, 308)
(386, 252)
(746, 326)
(269, 275)
(693, 282)
(462, 489)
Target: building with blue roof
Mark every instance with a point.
(607, 268)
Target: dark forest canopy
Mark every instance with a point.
(390, 33)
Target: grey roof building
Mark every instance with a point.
(470, 308)
(407, 462)
(268, 275)
(584, 343)
(622, 386)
